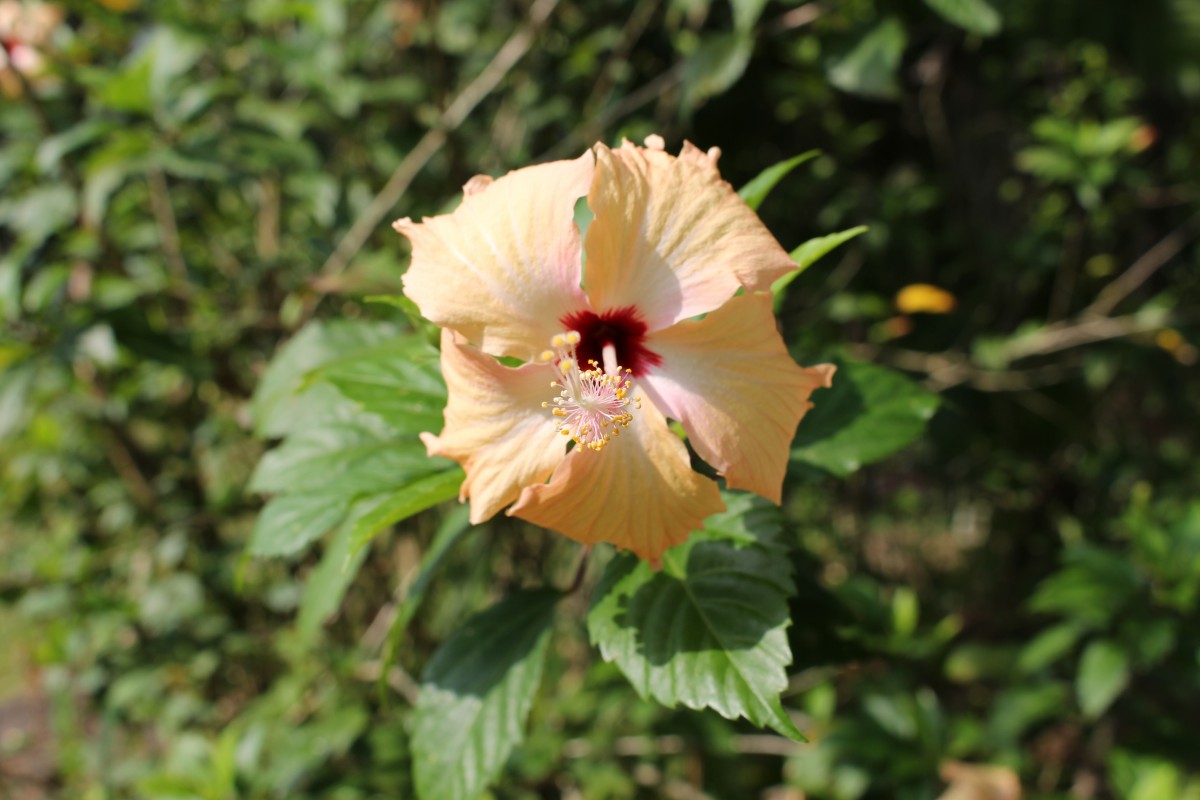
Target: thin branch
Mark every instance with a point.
(164, 216)
(499, 67)
(949, 369)
(1141, 270)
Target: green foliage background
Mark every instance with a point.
(182, 293)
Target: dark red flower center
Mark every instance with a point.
(622, 328)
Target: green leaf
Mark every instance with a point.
(1103, 675)
(708, 630)
(406, 501)
(716, 65)
(351, 458)
(286, 399)
(476, 694)
(291, 521)
(976, 16)
(870, 68)
(1048, 647)
(452, 529)
(809, 253)
(870, 413)
(326, 585)
(399, 380)
(757, 189)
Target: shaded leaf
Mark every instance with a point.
(870, 413)
(708, 630)
(716, 65)
(976, 16)
(870, 68)
(452, 529)
(476, 694)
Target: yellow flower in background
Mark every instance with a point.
(924, 298)
(652, 327)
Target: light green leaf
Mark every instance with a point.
(1048, 647)
(746, 13)
(453, 527)
(286, 399)
(708, 630)
(976, 16)
(870, 68)
(291, 521)
(757, 189)
(476, 694)
(809, 253)
(326, 585)
(1103, 675)
(870, 413)
(412, 498)
(351, 458)
(716, 65)
(399, 380)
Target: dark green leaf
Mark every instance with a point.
(870, 68)
(870, 413)
(708, 630)
(757, 189)
(476, 694)
(976, 16)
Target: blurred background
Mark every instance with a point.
(1008, 608)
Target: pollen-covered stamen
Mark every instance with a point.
(593, 404)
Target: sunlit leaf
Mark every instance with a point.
(290, 522)
(757, 189)
(808, 254)
(1103, 675)
(476, 694)
(708, 630)
(407, 500)
(870, 413)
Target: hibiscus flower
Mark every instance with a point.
(668, 316)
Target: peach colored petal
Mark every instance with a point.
(495, 426)
(729, 380)
(670, 237)
(639, 492)
(504, 267)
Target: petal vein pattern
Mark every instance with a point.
(729, 380)
(640, 493)
(505, 265)
(671, 238)
(495, 427)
